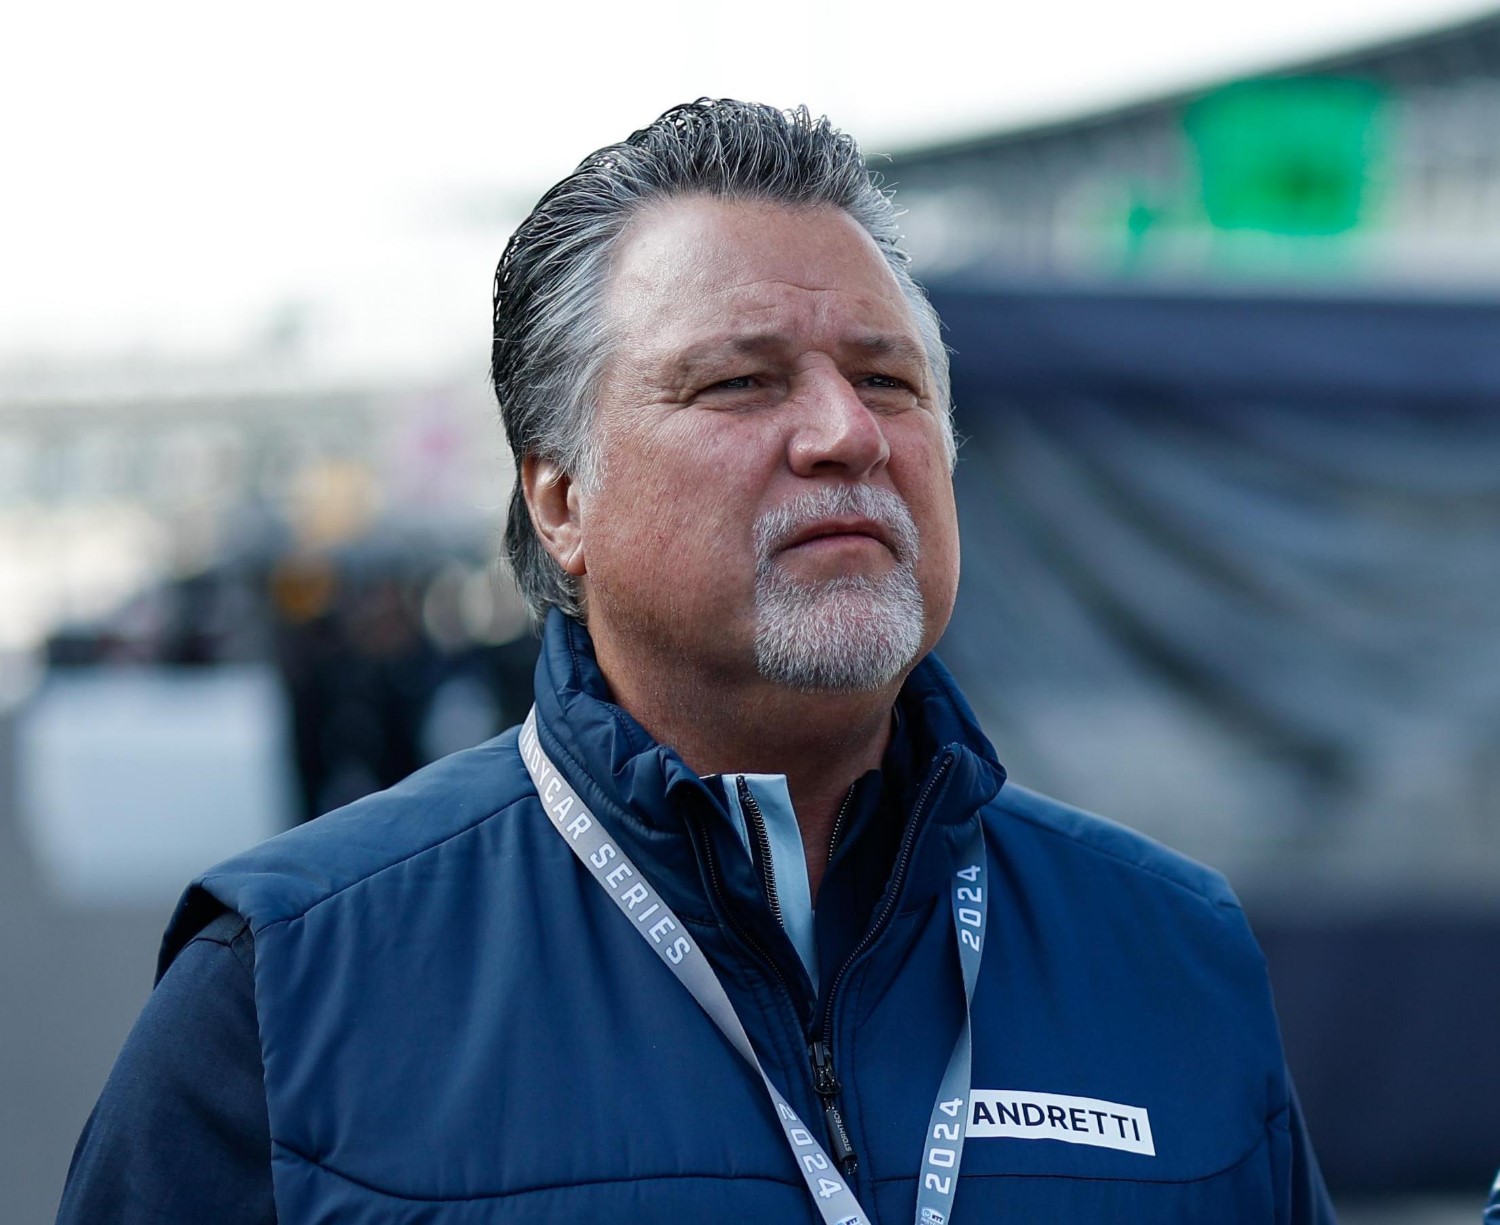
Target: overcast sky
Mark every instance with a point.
(178, 175)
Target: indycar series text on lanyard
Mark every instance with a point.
(665, 934)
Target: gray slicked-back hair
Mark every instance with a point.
(551, 340)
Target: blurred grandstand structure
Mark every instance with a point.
(1375, 166)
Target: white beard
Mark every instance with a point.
(849, 633)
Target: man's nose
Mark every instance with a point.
(836, 431)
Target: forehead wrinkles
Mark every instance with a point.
(792, 325)
(685, 295)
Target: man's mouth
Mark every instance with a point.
(838, 518)
(837, 529)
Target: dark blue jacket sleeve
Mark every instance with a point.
(180, 1132)
(1310, 1204)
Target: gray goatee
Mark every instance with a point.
(850, 633)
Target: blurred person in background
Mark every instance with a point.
(907, 989)
(356, 669)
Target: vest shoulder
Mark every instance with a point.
(287, 875)
(1115, 847)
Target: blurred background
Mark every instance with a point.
(1224, 291)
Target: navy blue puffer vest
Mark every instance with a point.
(458, 1027)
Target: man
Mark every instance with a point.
(904, 989)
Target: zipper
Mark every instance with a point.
(822, 1047)
(820, 1052)
(828, 1087)
(756, 820)
(825, 1083)
(838, 821)
(717, 884)
(825, 1080)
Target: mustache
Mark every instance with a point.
(778, 525)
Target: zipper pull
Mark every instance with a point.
(827, 1085)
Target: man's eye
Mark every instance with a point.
(741, 382)
(886, 382)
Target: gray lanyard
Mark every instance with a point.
(665, 934)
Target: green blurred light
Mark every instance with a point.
(1287, 155)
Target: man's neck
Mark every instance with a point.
(822, 742)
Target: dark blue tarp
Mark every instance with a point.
(1232, 574)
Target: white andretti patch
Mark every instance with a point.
(1015, 1114)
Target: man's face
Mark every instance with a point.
(774, 484)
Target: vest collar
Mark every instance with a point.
(645, 791)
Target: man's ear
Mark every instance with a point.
(552, 498)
